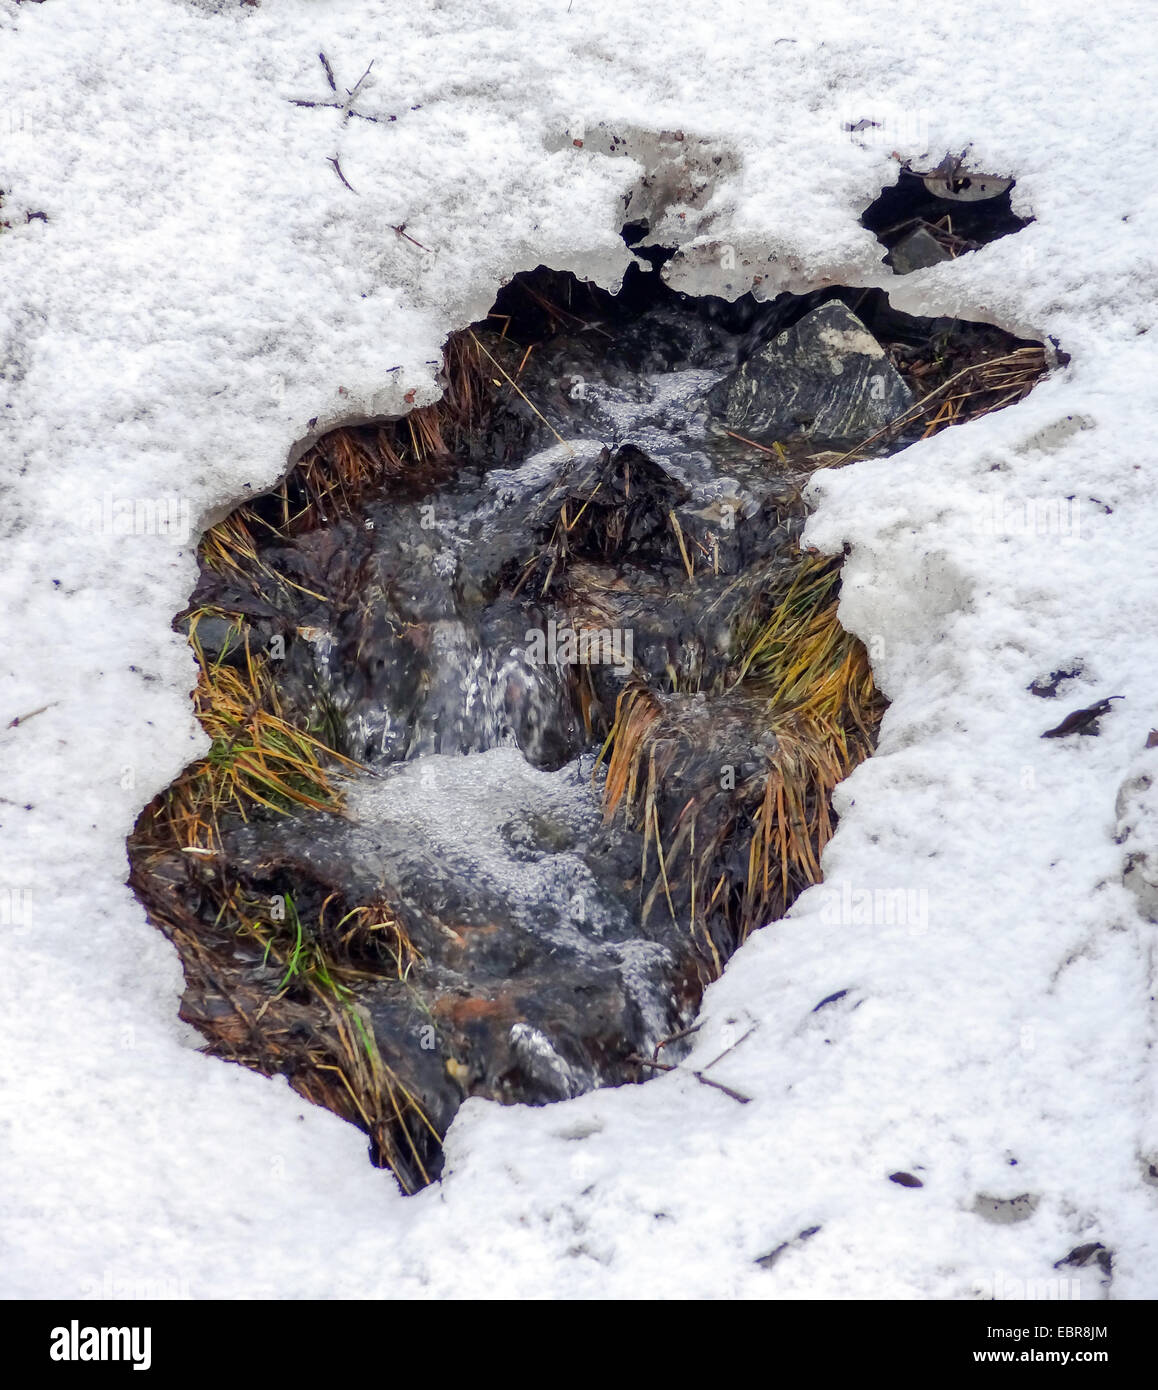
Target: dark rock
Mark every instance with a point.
(905, 1180)
(533, 969)
(917, 251)
(830, 999)
(1092, 1253)
(221, 639)
(826, 379)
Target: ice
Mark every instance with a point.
(460, 810)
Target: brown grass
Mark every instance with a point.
(968, 394)
(311, 1028)
(259, 761)
(731, 852)
(337, 472)
(796, 704)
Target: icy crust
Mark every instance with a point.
(206, 293)
(469, 817)
(462, 816)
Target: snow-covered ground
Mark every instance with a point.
(205, 285)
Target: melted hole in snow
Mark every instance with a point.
(527, 708)
(924, 219)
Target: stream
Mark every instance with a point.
(465, 634)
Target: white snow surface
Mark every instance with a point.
(205, 286)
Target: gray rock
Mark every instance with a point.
(826, 379)
(917, 251)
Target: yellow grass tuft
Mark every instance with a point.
(732, 851)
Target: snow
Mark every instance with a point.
(207, 294)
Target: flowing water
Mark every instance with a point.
(465, 637)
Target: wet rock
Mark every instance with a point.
(531, 835)
(666, 340)
(827, 379)
(533, 975)
(469, 619)
(408, 650)
(221, 639)
(917, 251)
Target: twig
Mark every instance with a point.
(333, 159)
(346, 105)
(24, 718)
(737, 1096)
(777, 449)
(402, 232)
(352, 92)
(719, 1086)
(679, 535)
(675, 1037)
(733, 1047)
(516, 387)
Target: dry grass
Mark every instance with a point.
(257, 756)
(345, 465)
(968, 394)
(793, 649)
(310, 1027)
(729, 851)
(320, 1038)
